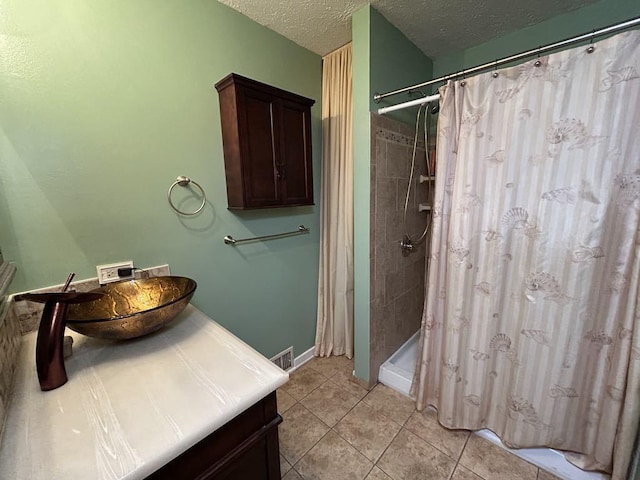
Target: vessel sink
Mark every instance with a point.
(131, 308)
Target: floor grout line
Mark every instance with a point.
(327, 379)
(459, 457)
(373, 463)
(374, 403)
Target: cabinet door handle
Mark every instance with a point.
(283, 171)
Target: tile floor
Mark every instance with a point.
(333, 429)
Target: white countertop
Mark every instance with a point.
(130, 407)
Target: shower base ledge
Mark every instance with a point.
(397, 373)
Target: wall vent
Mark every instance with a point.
(284, 359)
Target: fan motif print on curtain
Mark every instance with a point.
(531, 325)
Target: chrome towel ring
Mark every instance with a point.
(183, 182)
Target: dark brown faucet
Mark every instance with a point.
(49, 346)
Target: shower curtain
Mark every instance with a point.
(334, 327)
(531, 325)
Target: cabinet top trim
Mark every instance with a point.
(235, 79)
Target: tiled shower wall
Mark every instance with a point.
(397, 282)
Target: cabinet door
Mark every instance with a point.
(295, 158)
(260, 149)
(246, 448)
(266, 135)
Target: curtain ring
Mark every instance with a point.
(495, 70)
(463, 82)
(183, 182)
(538, 62)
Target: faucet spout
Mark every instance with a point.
(49, 345)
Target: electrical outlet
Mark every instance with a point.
(109, 273)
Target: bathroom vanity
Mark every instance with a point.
(189, 401)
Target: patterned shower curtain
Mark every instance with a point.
(532, 319)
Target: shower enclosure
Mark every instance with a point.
(452, 344)
(397, 281)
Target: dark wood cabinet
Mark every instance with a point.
(245, 448)
(266, 137)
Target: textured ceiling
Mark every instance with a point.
(437, 27)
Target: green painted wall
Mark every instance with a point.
(586, 19)
(395, 63)
(102, 106)
(383, 59)
(361, 48)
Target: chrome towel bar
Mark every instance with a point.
(229, 240)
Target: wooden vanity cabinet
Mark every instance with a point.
(245, 448)
(266, 138)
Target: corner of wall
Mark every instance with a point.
(361, 45)
(383, 59)
(395, 63)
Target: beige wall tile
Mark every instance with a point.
(395, 279)
(398, 160)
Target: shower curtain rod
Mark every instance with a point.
(486, 66)
(410, 103)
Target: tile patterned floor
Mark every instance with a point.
(333, 429)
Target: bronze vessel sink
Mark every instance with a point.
(131, 308)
